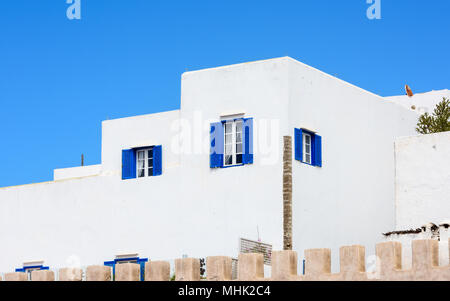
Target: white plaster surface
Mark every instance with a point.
(422, 179)
(423, 102)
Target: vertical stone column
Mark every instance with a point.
(187, 269)
(219, 268)
(444, 255)
(425, 257)
(353, 263)
(42, 275)
(98, 273)
(317, 263)
(287, 193)
(70, 274)
(18, 276)
(284, 265)
(128, 272)
(389, 255)
(251, 267)
(157, 271)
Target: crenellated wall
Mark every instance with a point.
(425, 267)
(433, 231)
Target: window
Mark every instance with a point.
(145, 163)
(308, 147)
(233, 143)
(141, 162)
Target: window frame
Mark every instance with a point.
(300, 147)
(306, 134)
(234, 143)
(146, 161)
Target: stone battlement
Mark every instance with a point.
(425, 267)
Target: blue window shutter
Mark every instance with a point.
(157, 160)
(298, 137)
(216, 138)
(248, 141)
(317, 150)
(128, 164)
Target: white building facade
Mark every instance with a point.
(195, 180)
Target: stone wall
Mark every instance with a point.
(425, 267)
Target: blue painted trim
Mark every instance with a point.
(247, 133)
(157, 160)
(128, 164)
(298, 144)
(140, 261)
(126, 259)
(216, 145)
(39, 267)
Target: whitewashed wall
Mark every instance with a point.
(197, 211)
(420, 103)
(350, 200)
(422, 169)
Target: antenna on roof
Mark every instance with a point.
(408, 90)
(82, 159)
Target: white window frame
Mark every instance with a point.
(305, 144)
(233, 146)
(145, 159)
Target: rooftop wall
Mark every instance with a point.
(76, 172)
(420, 103)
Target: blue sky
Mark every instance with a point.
(60, 78)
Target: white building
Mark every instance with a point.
(197, 206)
